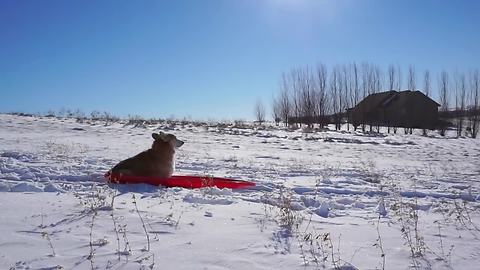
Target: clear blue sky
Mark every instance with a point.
(211, 59)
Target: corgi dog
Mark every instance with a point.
(157, 161)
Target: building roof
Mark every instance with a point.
(383, 99)
(377, 99)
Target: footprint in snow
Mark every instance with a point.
(208, 214)
(267, 157)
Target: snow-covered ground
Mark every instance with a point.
(323, 200)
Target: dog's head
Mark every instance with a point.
(164, 140)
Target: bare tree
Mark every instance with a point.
(378, 79)
(307, 94)
(399, 78)
(474, 99)
(356, 84)
(284, 103)
(444, 92)
(355, 88)
(412, 85)
(351, 89)
(412, 78)
(398, 86)
(344, 92)
(365, 89)
(371, 79)
(321, 100)
(391, 77)
(259, 112)
(391, 82)
(460, 92)
(299, 96)
(276, 110)
(377, 87)
(346, 86)
(426, 90)
(427, 86)
(335, 96)
(296, 98)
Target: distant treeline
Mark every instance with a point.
(458, 113)
(321, 95)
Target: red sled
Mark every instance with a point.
(184, 181)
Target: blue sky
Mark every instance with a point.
(211, 59)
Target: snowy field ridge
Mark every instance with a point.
(323, 200)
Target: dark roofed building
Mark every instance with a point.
(409, 109)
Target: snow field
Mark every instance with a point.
(323, 200)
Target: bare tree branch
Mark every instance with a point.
(259, 112)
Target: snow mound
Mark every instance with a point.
(197, 199)
(323, 210)
(26, 187)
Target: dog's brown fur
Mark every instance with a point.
(156, 161)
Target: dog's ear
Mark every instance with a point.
(155, 136)
(178, 143)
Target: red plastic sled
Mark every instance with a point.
(184, 181)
